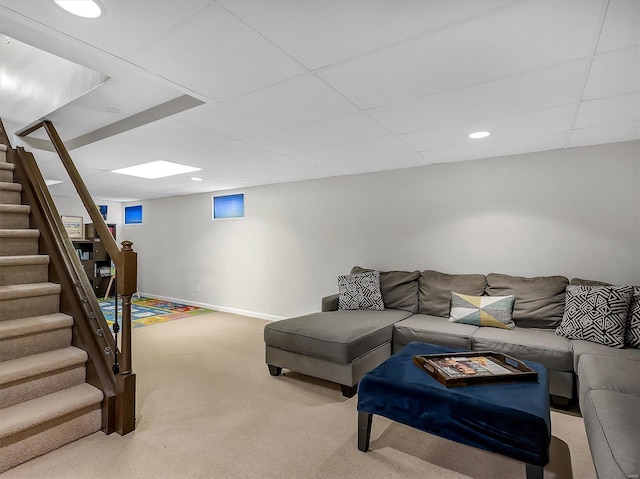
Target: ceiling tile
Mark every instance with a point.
(216, 55)
(99, 179)
(540, 33)
(613, 109)
(383, 154)
(321, 33)
(626, 65)
(620, 28)
(336, 131)
(288, 104)
(234, 158)
(539, 89)
(124, 27)
(515, 146)
(105, 157)
(52, 169)
(501, 128)
(94, 181)
(611, 133)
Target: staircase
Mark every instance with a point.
(45, 401)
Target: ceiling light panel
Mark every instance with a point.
(82, 8)
(52, 182)
(479, 134)
(156, 169)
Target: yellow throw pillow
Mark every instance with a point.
(493, 311)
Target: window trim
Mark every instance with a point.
(231, 218)
(125, 215)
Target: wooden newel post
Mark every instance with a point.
(127, 284)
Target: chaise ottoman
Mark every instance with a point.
(338, 346)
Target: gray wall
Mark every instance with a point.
(572, 212)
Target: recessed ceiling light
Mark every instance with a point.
(156, 169)
(82, 8)
(479, 134)
(196, 178)
(52, 182)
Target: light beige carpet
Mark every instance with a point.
(208, 408)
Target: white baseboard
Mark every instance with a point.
(224, 309)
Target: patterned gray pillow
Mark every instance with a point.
(360, 291)
(597, 314)
(632, 336)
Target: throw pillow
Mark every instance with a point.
(360, 291)
(494, 311)
(632, 336)
(597, 314)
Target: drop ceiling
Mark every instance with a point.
(258, 92)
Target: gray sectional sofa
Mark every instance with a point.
(342, 345)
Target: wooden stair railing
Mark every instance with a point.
(109, 368)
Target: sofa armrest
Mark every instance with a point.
(330, 303)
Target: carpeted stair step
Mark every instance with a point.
(35, 427)
(23, 269)
(33, 335)
(30, 377)
(6, 172)
(23, 300)
(18, 241)
(10, 193)
(14, 216)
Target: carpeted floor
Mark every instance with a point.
(147, 311)
(208, 408)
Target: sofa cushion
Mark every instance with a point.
(613, 428)
(539, 301)
(540, 345)
(587, 282)
(606, 372)
(338, 336)
(597, 314)
(434, 330)
(360, 291)
(632, 335)
(581, 348)
(399, 288)
(436, 289)
(492, 311)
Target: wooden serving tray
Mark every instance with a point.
(474, 367)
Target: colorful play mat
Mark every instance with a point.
(148, 311)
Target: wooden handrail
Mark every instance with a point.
(98, 222)
(125, 260)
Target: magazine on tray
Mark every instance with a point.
(474, 367)
(460, 367)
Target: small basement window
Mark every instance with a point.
(228, 207)
(133, 215)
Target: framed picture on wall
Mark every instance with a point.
(74, 226)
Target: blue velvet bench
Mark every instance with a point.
(512, 419)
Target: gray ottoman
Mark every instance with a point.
(339, 346)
